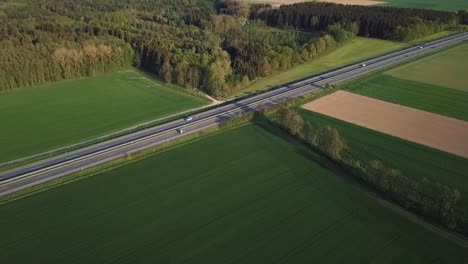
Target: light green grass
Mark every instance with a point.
(427, 97)
(4, 5)
(435, 36)
(447, 68)
(413, 160)
(354, 50)
(245, 196)
(449, 5)
(38, 119)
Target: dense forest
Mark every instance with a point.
(217, 46)
(401, 24)
(46, 40)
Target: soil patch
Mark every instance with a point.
(436, 131)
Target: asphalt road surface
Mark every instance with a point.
(55, 167)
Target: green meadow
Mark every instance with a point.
(54, 115)
(447, 68)
(449, 5)
(354, 50)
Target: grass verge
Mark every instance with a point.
(265, 200)
(446, 68)
(42, 118)
(355, 50)
(116, 163)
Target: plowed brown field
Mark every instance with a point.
(436, 131)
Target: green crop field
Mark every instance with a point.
(38, 119)
(427, 97)
(450, 5)
(354, 50)
(447, 68)
(413, 160)
(246, 195)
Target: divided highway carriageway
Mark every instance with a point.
(58, 166)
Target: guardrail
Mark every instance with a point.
(150, 124)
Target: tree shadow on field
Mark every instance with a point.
(305, 151)
(243, 109)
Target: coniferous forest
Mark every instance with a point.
(402, 24)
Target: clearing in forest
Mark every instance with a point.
(422, 127)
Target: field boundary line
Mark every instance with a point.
(151, 136)
(112, 135)
(458, 239)
(116, 163)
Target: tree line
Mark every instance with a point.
(373, 21)
(434, 201)
(257, 51)
(463, 16)
(32, 64)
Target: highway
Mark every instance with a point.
(55, 167)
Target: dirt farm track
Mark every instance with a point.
(436, 131)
